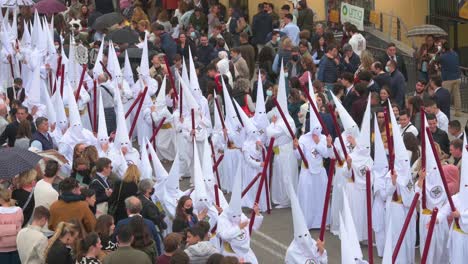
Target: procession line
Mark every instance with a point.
(270, 239)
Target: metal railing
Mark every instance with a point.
(412, 71)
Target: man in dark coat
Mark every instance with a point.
(440, 95)
(358, 106)
(440, 137)
(16, 92)
(10, 131)
(306, 17)
(204, 50)
(261, 26)
(391, 54)
(397, 83)
(168, 45)
(247, 51)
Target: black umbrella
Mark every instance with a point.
(124, 35)
(135, 53)
(107, 20)
(14, 161)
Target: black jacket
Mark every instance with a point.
(204, 54)
(401, 66)
(99, 186)
(441, 138)
(151, 211)
(11, 95)
(383, 79)
(261, 26)
(442, 98)
(10, 133)
(128, 189)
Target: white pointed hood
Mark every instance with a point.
(201, 199)
(350, 234)
(234, 211)
(260, 119)
(350, 127)
(127, 71)
(121, 133)
(282, 98)
(249, 127)
(160, 172)
(73, 112)
(161, 98)
(113, 65)
(97, 70)
(435, 191)
(348, 256)
(102, 135)
(145, 165)
(231, 120)
(144, 63)
(194, 84)
(62, 120)
(380, 160)
(185, 76)
(302, 237)
(363, 141)
(188, 102)
(26, 38)
(402, 161)
(313, 119)
(171, 184)
(218, 125)
(51, 114)
(380, 168)
(207, 167)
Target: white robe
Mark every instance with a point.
(340, 179)
(236, 242)
(397, 211)
(297, 255)
(184, 140)
(165, 140)
(438, 252)
(252, 167)
(378, 209)
(313, 180)
(232, 158)
(284, 162)
(457, 239)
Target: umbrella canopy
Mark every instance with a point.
(124, 35)
(16, 3)
(50, 7)
(107, 20)
(424, 30)
(14, 161)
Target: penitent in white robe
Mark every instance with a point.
(342, 173)
(438, 252)
(165, 140)
(300, 252)
(284, 162)
(232, 157)
(252, 167)
(312, 180)
(397, 211)
(458, 237)
(236, 241)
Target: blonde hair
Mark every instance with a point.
(286, 43)
(132, 174)
(5, 194)
(62, 229)
(27, 178)
(138, 15)
(367, 59)
(144, 23)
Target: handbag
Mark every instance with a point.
(113, 207)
